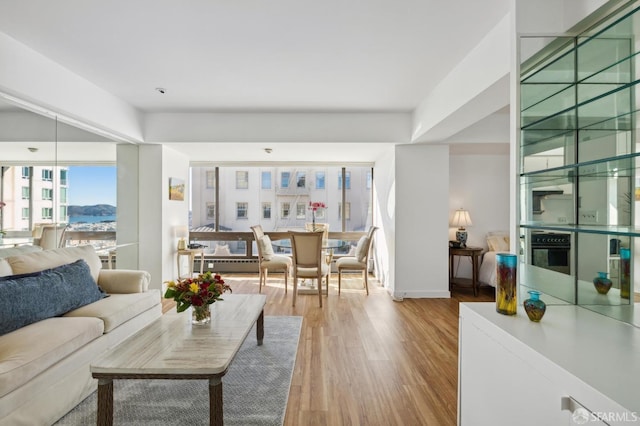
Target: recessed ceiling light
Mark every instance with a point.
(32, 149)
(161, 90)
(268, 150)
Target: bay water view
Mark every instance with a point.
(91, 219)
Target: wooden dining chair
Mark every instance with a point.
(360, 260)
(268, 261)
(308, 260)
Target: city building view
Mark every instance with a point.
(277, 198)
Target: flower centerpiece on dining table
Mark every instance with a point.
(314, 206)
(199, 292)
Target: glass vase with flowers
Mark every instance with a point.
(199, 293)
(315, 206)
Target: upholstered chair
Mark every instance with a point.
(51, 236)
(268, 260)
(360, 260)
(308, 260)
(317, 227)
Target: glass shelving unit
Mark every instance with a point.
(579, 162)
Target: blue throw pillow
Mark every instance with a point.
(54, 292)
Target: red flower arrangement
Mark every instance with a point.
(314, 206)
(203, 290)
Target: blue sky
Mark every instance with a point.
(90, 185)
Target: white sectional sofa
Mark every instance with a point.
(44, 366)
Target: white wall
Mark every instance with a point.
(127, 213)
(480, 184)
(421, 218)
(157, 214)
(278, 127)
(384, 218)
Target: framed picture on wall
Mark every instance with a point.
(176, 189)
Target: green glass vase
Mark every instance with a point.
(602, 283)
(534, 307)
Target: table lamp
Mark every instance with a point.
(182, 233)
(461, 219)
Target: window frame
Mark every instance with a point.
(262, 179)
(266, 207)
(239, 204)
(321, 177)
(242, 178)
(284, 183)
(283, 208)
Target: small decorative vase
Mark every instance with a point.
(200, 315)
(602, 283)
(534, 307)
(625, 273)
(506, 301)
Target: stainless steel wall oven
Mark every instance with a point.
(552, 251)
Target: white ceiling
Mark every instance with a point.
(252, 55)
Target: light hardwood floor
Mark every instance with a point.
(367, 360)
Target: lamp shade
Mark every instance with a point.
(461, 219)
(181, 231)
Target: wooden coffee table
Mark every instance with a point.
(171, 348)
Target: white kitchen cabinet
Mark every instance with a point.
(516, 372)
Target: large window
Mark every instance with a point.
(47, 194)
(47, 174)
(26, 173)
(25, 213)
(278, 197)
(25, 192)
(63, 195)
(63, 177)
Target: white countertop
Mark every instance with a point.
(601, 352)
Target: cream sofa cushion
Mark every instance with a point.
(17, 251)
(47, 259)
(118, 308)
(5, 268)
(30, 350)
(124, 281)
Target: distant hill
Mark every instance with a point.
(97, 210)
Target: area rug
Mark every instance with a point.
(255, 389)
